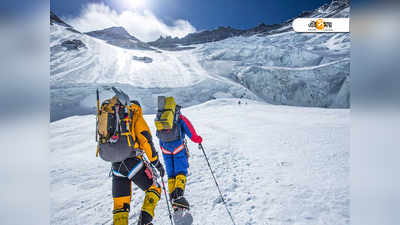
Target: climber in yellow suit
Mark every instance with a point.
(134, 169)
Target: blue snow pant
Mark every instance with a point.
(176, 164)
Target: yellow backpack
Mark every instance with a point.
(116, 141)
(166, 113)
(167, 119)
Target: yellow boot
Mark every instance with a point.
(180, 182)
(179, 200)
(150, 202)
(120, 216)
(171, 187)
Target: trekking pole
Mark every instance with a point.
(166, 199)
(154, 170)
(97, 120)
(216, 183)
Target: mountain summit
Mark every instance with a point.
(118, 36)
(54, 19)
(332, 9)
(112, 33)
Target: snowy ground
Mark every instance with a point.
(276, 165)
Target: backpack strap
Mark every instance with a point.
(128, 124)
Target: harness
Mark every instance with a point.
(132, 172)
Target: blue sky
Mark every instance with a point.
(208, 14)
(150, 19)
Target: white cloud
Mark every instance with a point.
(140, 23)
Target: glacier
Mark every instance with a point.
(281, 156)
(277, 66)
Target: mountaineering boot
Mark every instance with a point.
(177, 195)
(149, 204)
(171, 187)
(180, 182)
(145, 218)
(179, 201)
(120, 216)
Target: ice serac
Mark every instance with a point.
(316, 86)
(284, 67)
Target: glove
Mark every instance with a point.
(197, 139)
(159, 167)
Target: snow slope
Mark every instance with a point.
(283, 68)
(276, 165)
(75, 74)
(103, 63)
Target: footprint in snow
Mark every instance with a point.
(284, 164)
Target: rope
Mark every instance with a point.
(216, 183)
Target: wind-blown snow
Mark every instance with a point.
(276, 165)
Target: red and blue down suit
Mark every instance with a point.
(176, 159)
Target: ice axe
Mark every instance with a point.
(122, 97)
